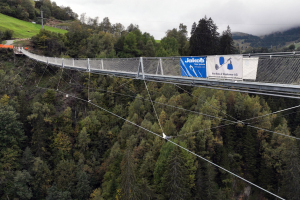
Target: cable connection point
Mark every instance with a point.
(166, 137)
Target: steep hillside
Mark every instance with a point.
(23, 29)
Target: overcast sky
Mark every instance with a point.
(256, 17)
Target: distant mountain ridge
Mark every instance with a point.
(278, 39)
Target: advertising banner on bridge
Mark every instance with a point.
(193, 66)
(250, 68)
(229, 66)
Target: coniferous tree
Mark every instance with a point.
(292, 173)
(176, 177)
(83, 188)
(21, 185)
(194, 26)
(204, 39)
(129, 188)
(41, 178)
(226, 42)
(250, 153)
(210, 187)
(27, 159)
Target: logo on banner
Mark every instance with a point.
(222, 63)
(193, 66)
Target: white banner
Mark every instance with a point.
(229, 66)
(250, 68)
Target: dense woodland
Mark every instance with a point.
(57, 145)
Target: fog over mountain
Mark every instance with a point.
(255, 17)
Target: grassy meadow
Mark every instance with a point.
(23, 29)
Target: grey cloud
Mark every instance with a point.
(157, 16)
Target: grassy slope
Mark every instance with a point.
(23, 29)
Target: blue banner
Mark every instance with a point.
(193, 66)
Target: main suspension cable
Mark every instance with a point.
(206, 103)
(176, 145)
(232, 122)
(154, 108)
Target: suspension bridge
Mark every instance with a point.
(278, 74)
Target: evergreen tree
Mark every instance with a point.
(226, 42)
(147, 167)
(65, 174)
(194, 26)
(83, 188)
(22, 185)
(129, 189)
(250, 154)
(176, 177)
(27, 159)
(41, 178)
(292, 173)
(210, 187)
(204, 39)
(147, 190)
(55, 193)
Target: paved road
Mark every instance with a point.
(9, 42)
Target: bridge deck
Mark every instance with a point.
(280, 75)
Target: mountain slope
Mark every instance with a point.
(23, 29)
(278, 39)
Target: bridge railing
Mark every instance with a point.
(271, 69)
(154, 66)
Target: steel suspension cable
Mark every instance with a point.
(17, 73)
(178, 146)
(206, 103)
(271, 113)
(124, 84)
(42, 75)
(232, 122)
(62, 69)
(29, 74)
(153, 107)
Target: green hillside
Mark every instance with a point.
(23, 29)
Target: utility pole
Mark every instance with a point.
(42, 18)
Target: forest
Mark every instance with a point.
(60, 140)
(57, 145)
